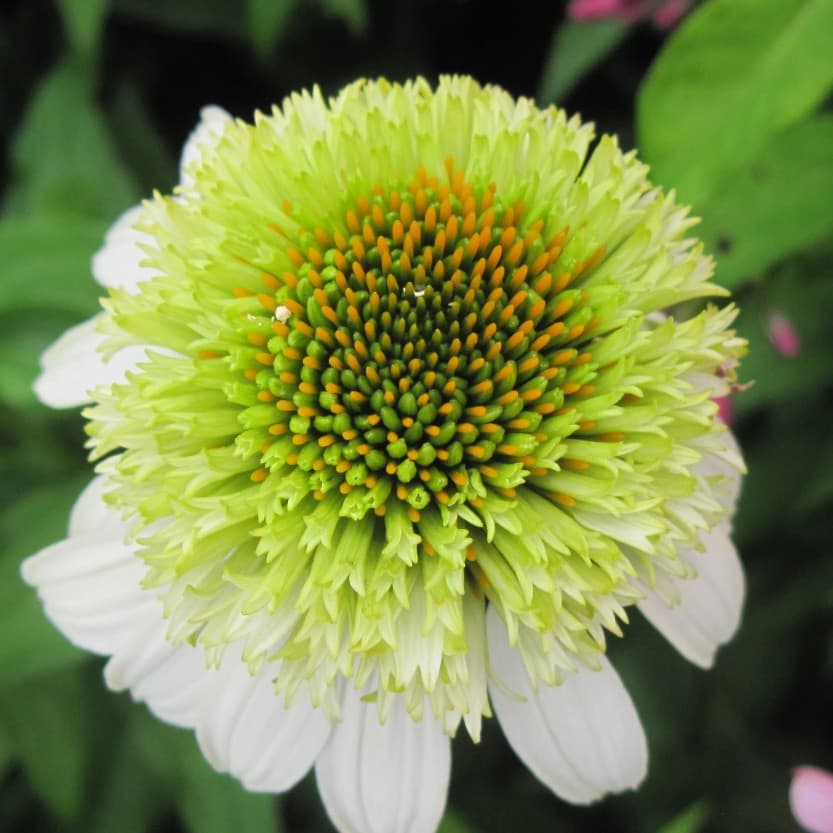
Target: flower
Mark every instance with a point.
(783, 335)
(665, 14)
(811, 799)
(391, 431)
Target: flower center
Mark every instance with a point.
(414, 356)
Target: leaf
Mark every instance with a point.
(801, 292)
(453, 823)
(140, 143)
(46, 726)
(83, 20)
(206, 17)
(776, 204)
(691, 820)
(63, 161)
(22, 339)
(576, 48)
(207, 801)
(732, 76)
(30, 644)
(267, 20)
(352, 12)
(46, 264)
(132, 796)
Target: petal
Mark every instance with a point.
(213, 121)
(172, 679)
(582, 738)
(710, 605)
(730, 467)
(91, 512)
(118, 263)
(811, 799)
(390, 778)
(246, 729)
(90, 583)
(73, 366)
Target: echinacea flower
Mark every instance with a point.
(811, 799)
(391, 430)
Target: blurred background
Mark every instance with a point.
(728, 100)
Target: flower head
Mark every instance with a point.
(405, 433)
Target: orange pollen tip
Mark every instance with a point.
(564, 500)
(259, 475)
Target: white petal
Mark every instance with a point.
(91, 512)
(90, 582)
(246, 729)
(384, 779)
(730, 467)
(73, 366)
(118, 263)
(582, 738)
(710, 605)
(172, 679)
(90, 585)
(213, 121)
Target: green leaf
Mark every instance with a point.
(267, 20)
(212, 803)
(454, 823)
(30, 643)
(140, 142)
(131, 797)
(63, 160)
(46, 264)
(22, 339)
(206, 17)
(778, 203)
(83, 20)
(733, 75)
(207, 801)
(46, 725)
(352, 12)
(691, 820)
(801, 291)
(576, 48)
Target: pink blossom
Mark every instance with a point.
(664, 14)
(670, 13)
(783, 335)
(811, 799)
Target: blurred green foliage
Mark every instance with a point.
(733, 109)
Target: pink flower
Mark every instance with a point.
(783, 335)
(811, 799)
(664, 14)
(724, 409)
